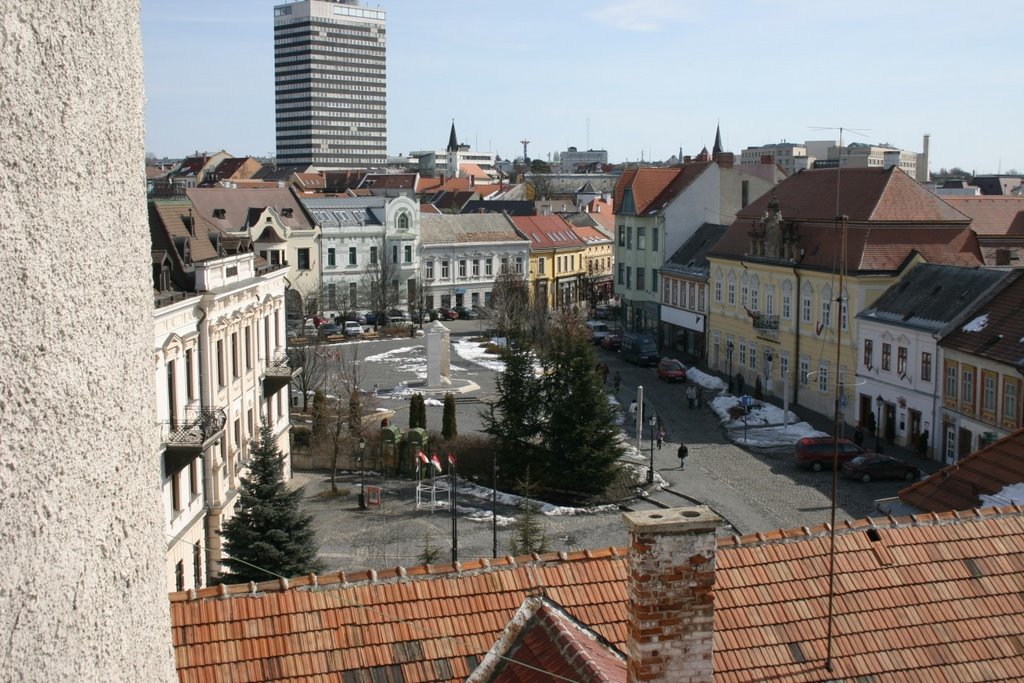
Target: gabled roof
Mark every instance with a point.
(230, 166)
(994, 329)
(980, 479)
(925, 598)
(513, 207)
(466, 228)
(992, 215)
(341, 212)
(931, 295)
(875, 195)
(591, 235)
(389, 181)
(547, 232)
(234, 209)
(452, 200)
(654, 188)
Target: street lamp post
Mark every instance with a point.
(362, 474)
(650, 471)
(879, 401)
(728, 354)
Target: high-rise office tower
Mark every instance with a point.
(330, 76)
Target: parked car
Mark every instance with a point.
(639, 349)
(352, 328)
(612, 342)
(876, 466)
(817, 452)
(371, 318)
(598, 330)
(447, 314)
(329, 330)
(395, 320)
(466, 313)
(671, 370)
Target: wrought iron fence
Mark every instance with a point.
(198, 426)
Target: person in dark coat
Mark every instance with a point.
(682, 453)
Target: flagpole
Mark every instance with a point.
(455, 519)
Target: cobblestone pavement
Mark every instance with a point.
(752, 491)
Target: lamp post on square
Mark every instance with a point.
(879, 402)
(362, 474)
(728, 354)
(653, 421)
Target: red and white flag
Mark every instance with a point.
(422, 457)
(451, 460)
(436, 462)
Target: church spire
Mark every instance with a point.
(453, 140)
(717, 149)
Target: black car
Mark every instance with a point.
(868, 467)
(330, 330)
(466, 313)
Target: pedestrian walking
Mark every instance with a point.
(617, 381)
(739, 383)
(632, 409)
(691, 396)
(661, 437)
(682, 453)
(700, 396)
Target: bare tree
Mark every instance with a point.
(312, 358)
(510, 303)
(380, 281)
(347, 410)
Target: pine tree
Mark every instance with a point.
(269, 536)
(527, 531)
(448, 428)
(417, 412)
(514, 420)
(579, 433)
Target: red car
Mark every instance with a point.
(612, 342)
(671, 370)
(447, 314)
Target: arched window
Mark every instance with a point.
(403, 221)
(826, 307)
(744, 289)
(718, 285)
(755, 293)
(732, 288)
(806, 296)
(787, 299)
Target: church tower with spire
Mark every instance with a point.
(716, 150)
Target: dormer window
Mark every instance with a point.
(286, 212)
(219, 213)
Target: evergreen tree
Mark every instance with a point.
(269, 536)
(579, 433)
(514, 420)
(448, 428)
(527, 531)
(417, 412)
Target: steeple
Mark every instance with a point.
(717, 149)
(453, 140)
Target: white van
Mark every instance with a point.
(598, 330)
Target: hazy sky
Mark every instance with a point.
(632, 77)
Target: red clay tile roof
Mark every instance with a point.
(934, 597)
(992, 215)
(653, 188)
(995, 328)
(865, 195)
(601, 211)
(239, 204)
(547, 232)
(961, 485)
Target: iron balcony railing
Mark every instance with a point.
(199, 427)
(278, 366)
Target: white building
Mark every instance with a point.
(358, 237)
(790, 156)
(330, 79)
(463, 253)
(220, 371)
(899, 361)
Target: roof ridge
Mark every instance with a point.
(886, 522)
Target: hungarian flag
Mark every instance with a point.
(422, 457)
(451, 460)
(436, 462)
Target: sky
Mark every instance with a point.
(638, 78)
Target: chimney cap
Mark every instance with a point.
(673, 521)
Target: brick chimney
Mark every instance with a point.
(726, 159)
(671, 571)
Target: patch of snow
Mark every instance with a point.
(1011, 494)
(481, 515)
(705, 380)
(484, 493)
(474, 352)
(976, 325)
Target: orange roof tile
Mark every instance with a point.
(547, 232)
(931, 597)
(653, 188)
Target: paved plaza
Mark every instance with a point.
(752, 491)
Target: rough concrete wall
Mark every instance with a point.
(82, 593)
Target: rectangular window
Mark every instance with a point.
(666, 296)
(654, 280)
(805, 308)
(654, 239)
(640, 278)
(488, 267)
(823, 377)
(407, 254)
(901, 360)
(787, 306)
(193, 478)
(622, 273)
(1011, 390)
(445, 270)
(622, 235)
(237, 432)
(476, 267)
(755, 301)
(373, 256)
(558, 265)
(951, 371)
(629, 237)
(886, 357)
(179, 574)
(701, 293)
(926, 367)
(826, 312)
(744, 294)
(220, 363)
(743, 352)
(175, 491)
(989, 384)
(302, 258)
(805, 371)
(752, 357)
(190, 392)
(332, 258)
(540, 266)
(629, 277)
(718, 291)
(784, 368)
(352, 256)
(394, 253)
(248, 348)
(462, 267)
(504, 264)
(967, 385)
(675, 292)
(641, 238)
(519, 265)
(732, 293)
(869, 353)
(235, 369)
(430, 270)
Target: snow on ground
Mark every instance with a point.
(481, 515)
(705, 380)
(484, 493)
(764, 426)
(475, 353)
(405, 359)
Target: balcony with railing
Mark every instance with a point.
(277, 374)
(193, 434)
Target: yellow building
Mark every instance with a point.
(558, 265)
(777, 313)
